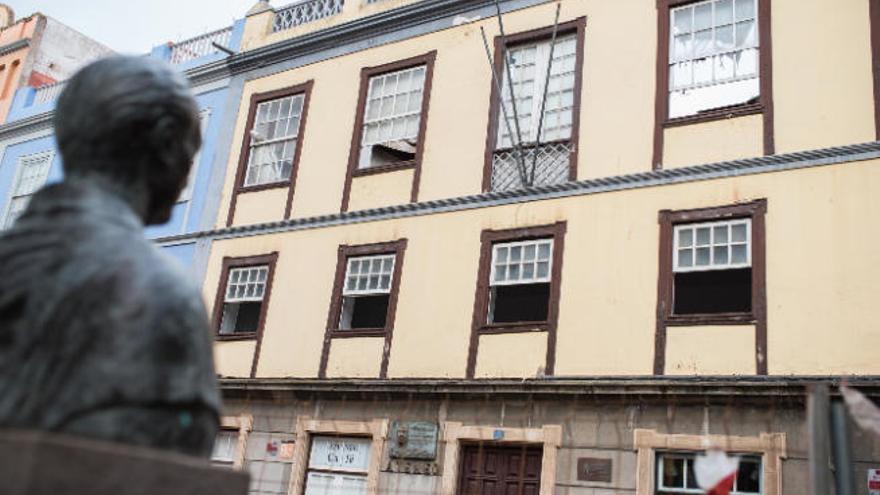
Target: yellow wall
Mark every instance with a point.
(234, 359)
(260, 207)
(822, 83)
(520, 355)
(355, 358)
(373, 191)
(727, 350)
(821, 279)
(715, 141)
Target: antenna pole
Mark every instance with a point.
(544, 97)
(510, 87)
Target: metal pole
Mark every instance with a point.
(818, 424)
(844, 483)
(544, 96)
(504, 54)
(521, 166)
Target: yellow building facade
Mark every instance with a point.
(694, 240)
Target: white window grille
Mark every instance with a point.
(713, 55)
(273, 140)
(246, 284)
(369, 275)
(225, 447)
(304, 12)
(713, 246)
(528, 67)
(522, 262)
(338, 465)
(33, 171)
(186, 194)
(200, 46)
(675, 475)
(393, 113)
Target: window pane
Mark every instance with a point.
(703, 256)
(702, 16)
(543, 269)
(691, 481)
(745, 9)
(682, 19)
(685, 257)
(748, 477)
(738, 232)
(703, 43)
(739, 254)
(723, 12)
(724, 39)
(720, 255)
(673, 472)
(703, 236)
(720, 234)
(746, 35)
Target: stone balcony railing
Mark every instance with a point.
(200, 46)
(48, 93)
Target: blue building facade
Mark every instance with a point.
(29, 157)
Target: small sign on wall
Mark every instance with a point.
(594, 469)
(413, 440)
(874, 482)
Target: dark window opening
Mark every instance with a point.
(519, 303)
(242, 317)
(392, 153)
(713, 291)
(362, 312)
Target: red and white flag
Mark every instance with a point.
(716, 472)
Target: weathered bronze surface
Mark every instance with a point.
(100, 334)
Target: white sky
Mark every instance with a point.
(135, 26)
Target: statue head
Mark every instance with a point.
(131, 125)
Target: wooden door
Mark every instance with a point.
(496, 470)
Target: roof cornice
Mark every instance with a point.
(27, 125)
(720, 170)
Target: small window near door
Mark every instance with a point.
(712, 267)
(675, 475)
(338, 465)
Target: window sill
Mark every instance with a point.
(716, 114)
(518, 327)
(710, 319)
(231, 337)
(263, 187)
(358, 172)
(358, 332)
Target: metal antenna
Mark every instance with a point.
(505, 54)
(544, 97)
(521, 165)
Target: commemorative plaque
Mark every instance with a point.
(413, 440)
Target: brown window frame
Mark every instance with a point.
(344, 252)
(764, 105)
(306, 90)
(479, 326)
(577, 26)
(756, 211)
(874, 16)
(426, 59)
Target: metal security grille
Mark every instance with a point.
(551, 166)
(304, 12)
(200, 46)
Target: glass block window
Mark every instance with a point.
(225, 446)
(528, 69)
(338, 465)
(392, 116)
(246, 284)
(369, 275)
(713, 55)
(675, 475)
(273, 140)
(523, 262)
(243, 299)
(712, 246)
(33, 171)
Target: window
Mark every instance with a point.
(338, 465)
(712, 267)
(273, 140)
(675, 475)
(530, 56)
(520, 281)
(243, 296)
(367, 292)
(186, 194)
(33, 170)
(392, 118)
(225, 446)
(713, 56)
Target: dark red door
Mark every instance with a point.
(494, 470)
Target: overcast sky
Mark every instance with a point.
(135, 26)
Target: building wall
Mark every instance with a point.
(820, 319)
(62, 50)
(12, 63)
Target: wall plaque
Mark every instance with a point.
(413, 440)
(594, 469)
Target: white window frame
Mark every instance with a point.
(529, 120)
(535, 279)
(258, 283)
(258, 142)
(689, 457)
(383, 272)
(409, 134)
(14, 194)
(730, 265)
(186, 193)
(725, 92)
(227, 440)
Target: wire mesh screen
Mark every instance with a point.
(551, 166)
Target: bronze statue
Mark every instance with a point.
(100, 334)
